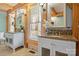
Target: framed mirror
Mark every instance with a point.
(19, 20)
(56, 15)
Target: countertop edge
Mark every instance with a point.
(60, 38)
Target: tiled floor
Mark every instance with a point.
(6, 51)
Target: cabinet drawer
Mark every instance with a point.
(45, 42)
(66, 44)
(9, 35)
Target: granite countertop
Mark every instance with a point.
(62, 37)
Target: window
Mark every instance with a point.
(35, 21)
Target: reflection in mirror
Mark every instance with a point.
(19, 20)
(56, 15)
(57, 9)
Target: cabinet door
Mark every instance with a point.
(75, 20)
(75, 28)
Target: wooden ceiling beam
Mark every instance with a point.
(19, 5)
(6, 4)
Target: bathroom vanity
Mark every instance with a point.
(57, 45)
(14, 40)
(57, 39)
(15, 34)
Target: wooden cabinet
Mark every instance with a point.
(32, 44)
(75, 24)
(75, 20)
